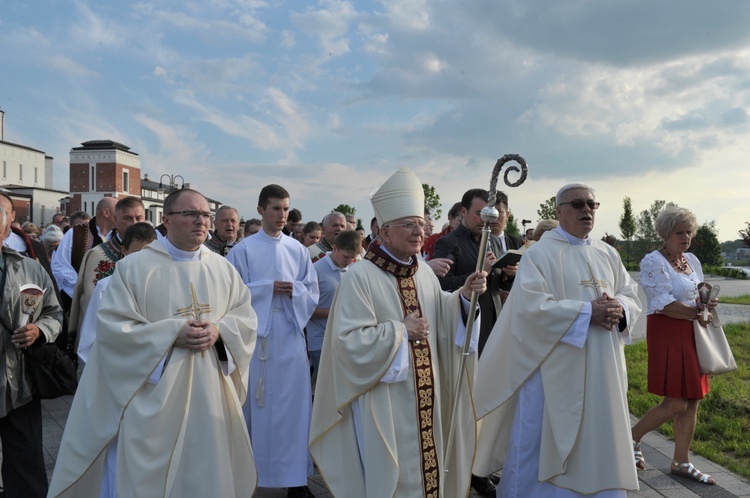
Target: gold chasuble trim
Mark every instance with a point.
(424, 377)
(194, 310)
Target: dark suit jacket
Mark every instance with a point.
(466, 263)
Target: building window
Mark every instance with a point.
(20, 173)
(92, 178)
(5, 170)
(125, 181)
(36, 175)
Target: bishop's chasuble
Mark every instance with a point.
(175, 414)
(371, 437)
(576, 385)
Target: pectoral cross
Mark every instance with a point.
(194, 310)
(594, 283)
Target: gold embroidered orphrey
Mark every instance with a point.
(594, 283)
(194, 310)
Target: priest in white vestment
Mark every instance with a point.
(552, 384)
(391, 354)
(160, 400)
(282, 280)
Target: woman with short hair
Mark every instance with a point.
(670, 277)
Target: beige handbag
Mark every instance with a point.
(714, 354)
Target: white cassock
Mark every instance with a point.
(87, 329)
(368, 427)
(552, 388)
(174, 416)
(278, 406)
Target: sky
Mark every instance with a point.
(635, 98)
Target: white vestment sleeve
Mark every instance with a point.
(87, 331)
(228, 366)
(158, 371)
(625, 336)
(578, 332)
(62, 268)
(461, 328)
(398, 370)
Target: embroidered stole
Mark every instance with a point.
(424, 377)
(85, 237)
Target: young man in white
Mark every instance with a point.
(278, 271)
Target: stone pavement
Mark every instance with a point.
(655, 482)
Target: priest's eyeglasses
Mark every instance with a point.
(194, 215)
(578, 204)
(410, 226)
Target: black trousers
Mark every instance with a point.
(24, 475)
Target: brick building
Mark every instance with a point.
(102, 168)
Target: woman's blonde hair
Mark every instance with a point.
(670, 217)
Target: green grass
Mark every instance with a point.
(735, 300)
(723, 431)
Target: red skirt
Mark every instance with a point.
(672, 361)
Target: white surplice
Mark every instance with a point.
(279, 403)
(175, 415)
(552, 388)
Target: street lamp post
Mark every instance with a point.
(172, 182)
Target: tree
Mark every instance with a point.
(645, 232)
(345, 209)
(706, 246)
(511, 227)
(432, 201)
(645, 224)
(627, 225)
(745, 234)
(548, 209)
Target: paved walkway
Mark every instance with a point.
(655, 482)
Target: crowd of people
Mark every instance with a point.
(216, 358)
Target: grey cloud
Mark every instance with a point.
(621, 32)
(734, 117)
(692, 120)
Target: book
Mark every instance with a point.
(510, 258)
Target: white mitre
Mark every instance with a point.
(400, 196)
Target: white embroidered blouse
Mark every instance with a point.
(663, 285)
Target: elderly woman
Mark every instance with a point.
(51, 238)
(670, 278)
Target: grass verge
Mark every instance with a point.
(722, 433)
(735, 300)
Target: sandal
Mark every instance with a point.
(687, 470)
(640, 462)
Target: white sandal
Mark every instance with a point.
(640, 462)
(687, 470)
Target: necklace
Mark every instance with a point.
(680, 265)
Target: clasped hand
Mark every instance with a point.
(417, 328)
(606, 311)
(197, 335)
(283, 288)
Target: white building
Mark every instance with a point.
(27, 178)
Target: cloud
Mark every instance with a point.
(70, 67)
(620, 32)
